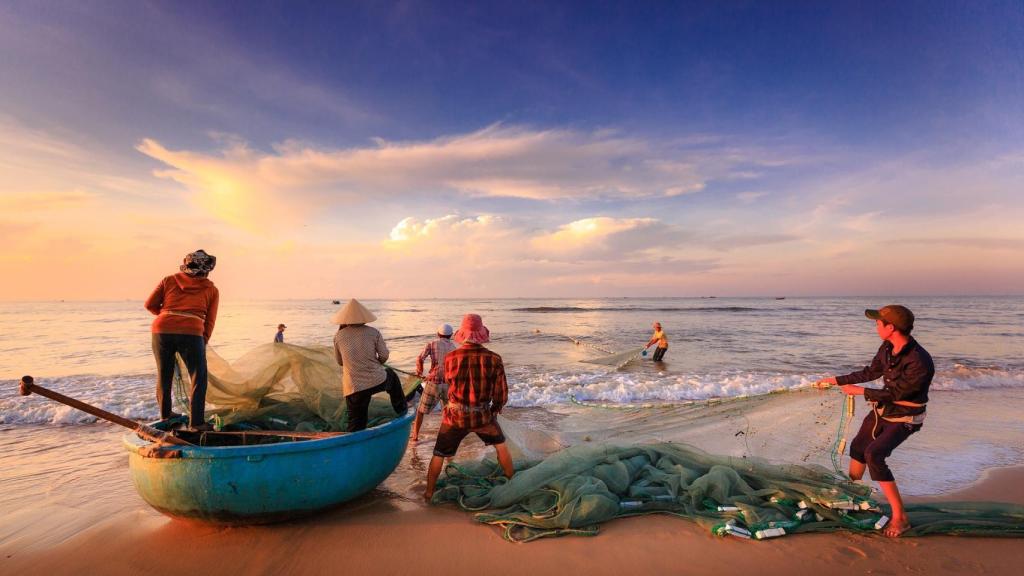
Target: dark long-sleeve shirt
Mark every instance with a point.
(906, 377)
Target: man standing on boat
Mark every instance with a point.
(477, 391)
(279, 337)
(435, 388)
(661, 339)
(898, 408)
(185, 305)
(361, 352)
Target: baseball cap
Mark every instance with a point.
(445, 330)
(899, 316)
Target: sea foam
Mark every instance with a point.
(134, 396)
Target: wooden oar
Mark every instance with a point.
(28, 386)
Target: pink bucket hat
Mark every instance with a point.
(473, 330)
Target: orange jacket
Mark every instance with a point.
(184, 304)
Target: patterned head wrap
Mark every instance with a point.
(198, 263)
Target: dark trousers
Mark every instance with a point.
(358, 403)
(659, 353)
(874, 450)
(193, 351)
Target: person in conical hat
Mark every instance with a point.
(353, 312)
(477, 391)
(361, 352)
(435, 389)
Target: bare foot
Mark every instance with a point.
(895, 529)
(414, 438)
(428, 497)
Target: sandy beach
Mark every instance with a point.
(743, 272)
(81, 519)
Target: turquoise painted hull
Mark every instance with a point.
(270, 482)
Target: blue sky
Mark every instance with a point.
(720, 142)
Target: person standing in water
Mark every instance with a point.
(659, 337)
(477, 392)
(898, 408)
(361, 352)
(185, 305)
(435, 388)
(279, 337)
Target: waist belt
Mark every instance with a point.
(468, 409)
(909, 419)
(185, 314)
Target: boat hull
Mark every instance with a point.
(269, 482)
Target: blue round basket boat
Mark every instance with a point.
(267, 482)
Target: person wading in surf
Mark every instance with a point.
(185, 305)
(435, 389)
(898, 411)
(659, 337)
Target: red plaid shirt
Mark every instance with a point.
(477, 389)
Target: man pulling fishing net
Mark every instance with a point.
(898, 408)
(477, 392)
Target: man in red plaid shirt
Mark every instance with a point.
(477, 391)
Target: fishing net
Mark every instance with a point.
(281, 387)
(617, 360)
(576, 489)
(769, 464)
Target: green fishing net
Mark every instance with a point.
(280, 387)
(585, 477)
(575, 490)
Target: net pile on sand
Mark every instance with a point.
(575, 490)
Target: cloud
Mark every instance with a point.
(243, 185)
(452, 225)
(45, 201)
(736, 241)
(605, 238)
(750, 197)
(486, 254)
(972, 243)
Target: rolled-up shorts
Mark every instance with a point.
(449, 437)
(433, 393)
(875, 442)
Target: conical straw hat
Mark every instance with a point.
(353, 313)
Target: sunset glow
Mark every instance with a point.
(573, 170)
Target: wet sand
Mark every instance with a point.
(88, 520)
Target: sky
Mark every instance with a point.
(515, 149)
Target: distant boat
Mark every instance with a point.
(335, 301)
(780, 297)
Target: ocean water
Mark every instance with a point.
(719, 348)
